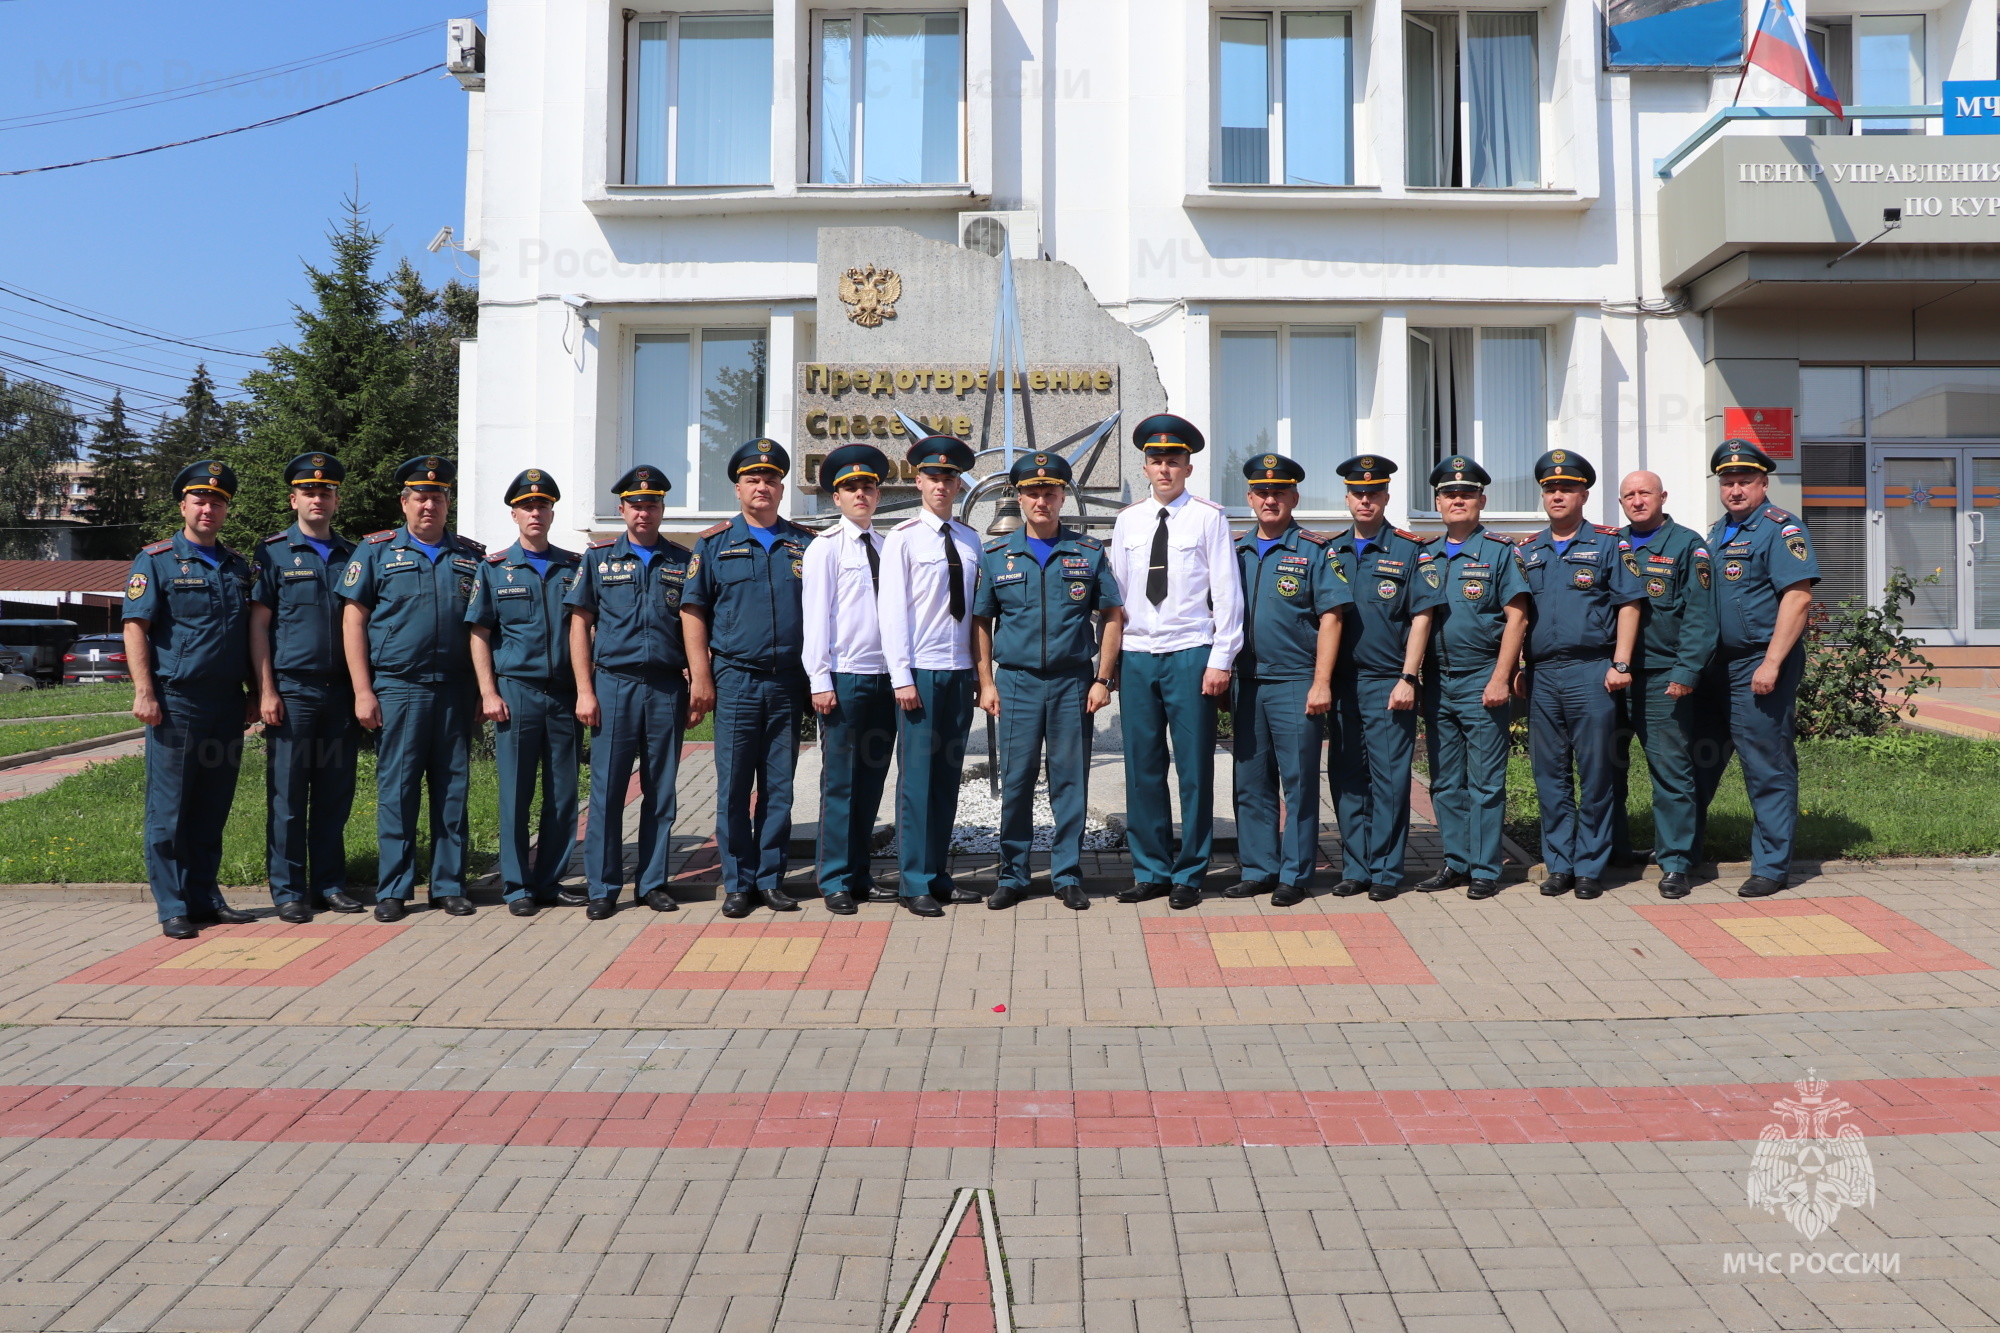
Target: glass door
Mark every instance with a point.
(1931, 507)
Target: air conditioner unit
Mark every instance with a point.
(465, 53)
(1021, 226)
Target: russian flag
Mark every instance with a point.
(1780, 46)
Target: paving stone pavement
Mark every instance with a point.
(1429, 1114)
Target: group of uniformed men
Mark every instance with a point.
(1692, 644)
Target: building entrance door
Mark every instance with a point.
(1931, 506)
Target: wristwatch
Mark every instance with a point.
(1410, 677)
(1622, 668)
(1105, 681)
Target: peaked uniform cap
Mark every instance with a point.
(942, 451)
(853, 460)
(1564, 465)
(1459, 473)
(207, 475)
(428, 473)
(1367, 471)
(1040, 469)
(642, 482)
(1164, 430)
(319, 468)
(1272, 470)
(759, 455)
(533, 484)
(1740, 456)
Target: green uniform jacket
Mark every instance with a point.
(1677, 619)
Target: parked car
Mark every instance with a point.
(94, 658)
(41, 644)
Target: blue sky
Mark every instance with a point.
(205, 243)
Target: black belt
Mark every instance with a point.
(1574, 655)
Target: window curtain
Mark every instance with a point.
(1504, 100)
(836, 102)
(1247, 398)
(724, 125)
(660, 408)
(1441, 405)
(649, 109)
(1321, 410)
(732, 407)
(1513, 414)
(910, 98)
(1245, 73)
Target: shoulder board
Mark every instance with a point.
(1316, 538)
(608, 541)
(1090, 543)
(712, 531)
(380, 536)
(1779, 515)
(274, 538)
(1201, 499)
(998, 543)
(158, 547)
(1406, 536)
(562, 557)
(1606, 530)
(1521, 538)
(909, 523)
(497, 558)
(228, 553)
(469, 546)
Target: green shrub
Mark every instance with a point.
(1862, 671)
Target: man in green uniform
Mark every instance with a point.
(1745, 700)
(1032, 639)
(187, 645)
(1475, 649)
(1676, 639)
(1375, 683)
(1292, 603)
(520, 655)
(305, 696)
(743, 624)
(631, 671)
(408, 651)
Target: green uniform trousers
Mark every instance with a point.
(1042, 716)
(1373, 746)
(1160, 695)
(640, 722)
(1276, 767)
(192, 758)
(856, 742)
(1468, 752)
(425, 742)
(1665, 728)
(931, 759)
(1732, 718)
(309, 783)
(538, 739)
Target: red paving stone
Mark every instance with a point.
(345, 944)
(961, 1296)
(1182, 954)
(1695, 1113)
(1907, 946)
(846, 957)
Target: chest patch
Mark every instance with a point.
(1288, 585)
(1078, 591)
(1386, 589)
(1656, 587)
(1583, 578)
(1732, 570)
(1473, 589)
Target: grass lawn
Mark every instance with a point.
(90, 828)
(1904, 794)
(40, 735)
(61, 700)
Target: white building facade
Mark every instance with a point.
(1412, 231)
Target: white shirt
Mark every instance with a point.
(918, 633)
(1204, 601)
(843, 631)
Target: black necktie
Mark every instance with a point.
(957, 571)
(874, 563)
(1156, 572)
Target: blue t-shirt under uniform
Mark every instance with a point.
(764, 536)
(1641, 538)
(325, 548)
(1041, 550)
(645, 553)
(1452, 548)
(1264, 545)
(540, 562)
(208, 553)
(432, 551)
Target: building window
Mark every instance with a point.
(1481, 393)
(1472, 98)
(1288, 390)
(1873, 60)
(696, 396)
(889, 99)
(700, 110)
(1284, 100)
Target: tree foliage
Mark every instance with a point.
(38, 435)
(1862, 671)
(205, 427)
(116, 508)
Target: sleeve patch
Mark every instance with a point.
(136, 588)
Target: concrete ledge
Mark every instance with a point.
(73, 747)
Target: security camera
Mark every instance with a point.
(576, 300)
(440, 241)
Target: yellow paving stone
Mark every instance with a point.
(1819, 934)
(1282, 948)
(748, 954)
(263, 955)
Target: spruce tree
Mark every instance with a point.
(205, 427)
(116, 509)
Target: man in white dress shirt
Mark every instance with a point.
(930, 568)
(1176, 566)
(849, 676)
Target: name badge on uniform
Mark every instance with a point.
(1388, 566)
(298, 573)
(464, 563)
(1575, 554)
(620, 577)
(672, 575)
(510, 592)
(194, 582)
(732, 552)
(1470, 567)
(1016, 577)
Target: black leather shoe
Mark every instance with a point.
(778, 900)
(571, 898)
(1140, 893)
(1382, 893)
(522, 907)
(294, 913)
(454, 905)
(224, 915)
(1075, 898)
(1482, 889)
(1555, 886)
(660, 901)
(1760, 886)
(1444, 879)
(876, 893)
(389, 909)
(1674, 884)
(964, 896)
(1184, 896)
(736, 905)
(1247, 889)
(178, 928)
(922, 905)
(1587, 888)
(840, 904)
(1002, 898)
(1347, 888)
(340, 901)
(600, 909)
(1288, 895)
